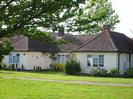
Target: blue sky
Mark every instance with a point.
(124, 8)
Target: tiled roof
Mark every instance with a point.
(108, 41)
(75, 42)
(22, 43)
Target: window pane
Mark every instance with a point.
(89, 60)
(67, 57)
(18, 58)
(101, 60)
(63, 59)
(14, 59)
(95, 62)
(59, 58)
(10, 58)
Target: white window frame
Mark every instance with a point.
(17, 58)
(101, 60)
(95, 60)
(62, 58)
(14, 59)
(10, 59)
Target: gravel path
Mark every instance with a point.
(70, 81)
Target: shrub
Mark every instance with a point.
(113, 72)
(99, 72)
(37, 68)
(11, 66)
(72, 66)
(4, 66)
(59, 67)
(0, 66)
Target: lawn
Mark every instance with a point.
(23, 89)
(13, 88)
(61, 76)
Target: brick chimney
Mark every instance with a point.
(61, 31)
(106, 28)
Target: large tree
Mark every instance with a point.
(88, 18)
(25, 17)
(92, 15)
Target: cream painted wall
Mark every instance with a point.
(132, 60)
(110, 60)
(32, 59)
(124, 62)
(36, 59)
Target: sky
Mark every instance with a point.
(124, 9)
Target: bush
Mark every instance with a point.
(59, 67)
(72, 66)
(11, 66)
(37, 68)
(0, 66)
(99, 72)
(4, 66)
(113, 72)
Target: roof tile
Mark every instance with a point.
(106, 41)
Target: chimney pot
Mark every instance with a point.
(61, 31)
(106, 27)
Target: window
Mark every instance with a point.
(14, 59)
(10, 58)
(95, 60)
(62, 59)
(67, 57)
(18, 58)
(89, 60)
(59, 58)
(101, 60)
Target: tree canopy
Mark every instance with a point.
(94, 15)
(25, 17)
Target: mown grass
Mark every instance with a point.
(62, 76)
(24, 89)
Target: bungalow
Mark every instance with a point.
(105, 50)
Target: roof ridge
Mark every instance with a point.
(110, 38)
(88, 42)
(83, 35)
